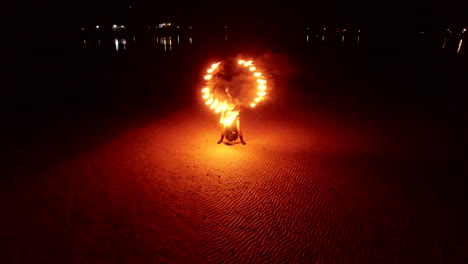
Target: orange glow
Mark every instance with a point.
(210, 70)
(241, 61)
(205, 96)
(257, 74)
(205, 90)
(262, 87)
(252, 105)
(214, 104)
(209, 101)
(257, 100)
(247, 63)
(261, 81)
(252, 68)
(208, 77)
(261, 93)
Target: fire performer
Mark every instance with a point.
(229, 115)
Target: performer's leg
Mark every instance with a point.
(222, 137)
(241, 136)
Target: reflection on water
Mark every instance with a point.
(334, 38)
(120, 44)
(451, 42)
(117, 44)
(166, 42)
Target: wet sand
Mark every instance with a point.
(303, 189)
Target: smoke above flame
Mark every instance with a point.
(234, 82)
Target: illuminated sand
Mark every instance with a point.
(304, 189)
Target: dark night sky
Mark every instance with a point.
(55, 15)
(412, 10)
(396, 12)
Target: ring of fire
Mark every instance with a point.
(216, 105)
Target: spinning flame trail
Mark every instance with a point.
(219, 105)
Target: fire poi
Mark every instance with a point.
(226, 90)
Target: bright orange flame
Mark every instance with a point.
(210, 70)
(208, 77)
(257, 100)
(257, 74)
(252, 68)
(219, 107)
(214, 65)
(205, 96)
(261, 93)
(241, 61)
(214, 104)
(205, 90)
(252, 105)
(209, 101)
(261, 81)
(247, 63)
(262, 87)
(229, 117)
